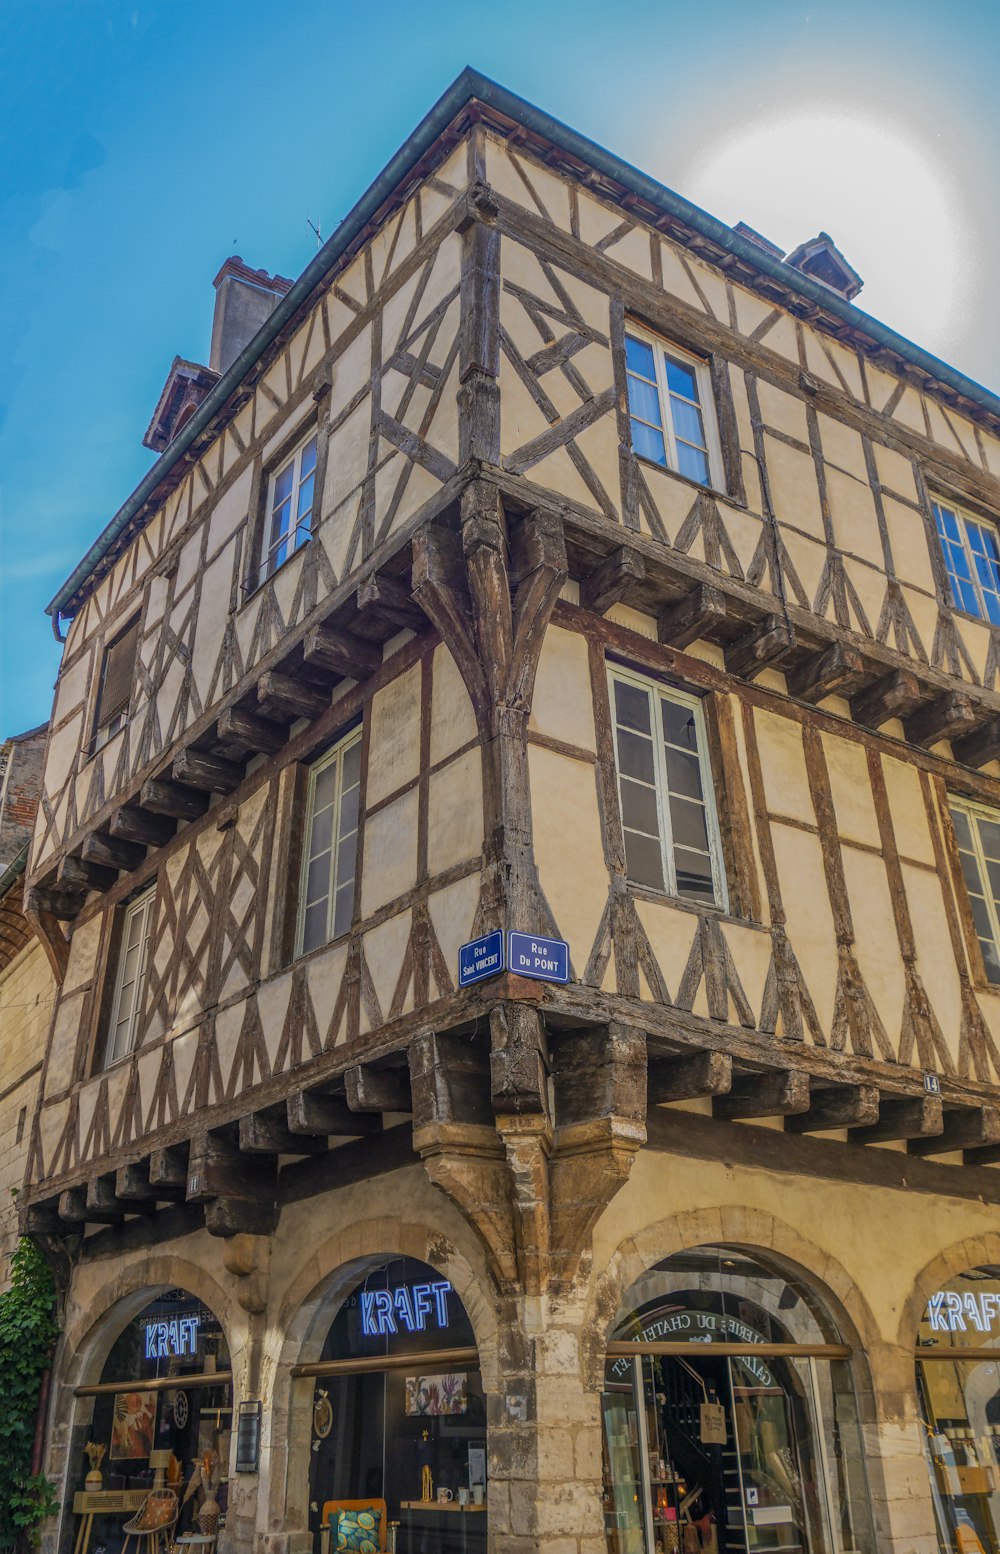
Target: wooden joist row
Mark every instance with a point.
(929, 1125)
(259, 725)
(813, 670)
(233, 1169)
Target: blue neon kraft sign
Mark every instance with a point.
(172, 1336)
(529, 955)
(408, 1306)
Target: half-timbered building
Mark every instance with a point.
(548, 558)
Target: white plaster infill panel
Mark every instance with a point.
(568, 848)
(453, 719)
(325, 975)
(390, 853)
(384, 948)
(455, 812)
(394, 749)
(453, 913)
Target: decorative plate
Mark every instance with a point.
(322, 1416)
(181, 1409)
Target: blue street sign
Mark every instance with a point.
(529, 955)
(480, 959)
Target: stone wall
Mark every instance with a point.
(21, 760)
(26, 994)
(870, 1253)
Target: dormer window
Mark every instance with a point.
(822, 261)
(288, 518)
(971, 549)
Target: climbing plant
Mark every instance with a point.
(27, 1332)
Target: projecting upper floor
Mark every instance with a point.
(299, 753)
(658, 378)
(801, 917)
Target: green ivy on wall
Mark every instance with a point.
(28, 1330)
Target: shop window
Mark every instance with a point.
(399, 1416)
(329, 857)
(162, 1411)
(665, 788)
(715, 1438)
(958, 1385)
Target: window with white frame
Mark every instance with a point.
(672, 410)
(972, 556)
(326, 893)
(665, 784)
(130, 976)
(977, 831)
(291, 494)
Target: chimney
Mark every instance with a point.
(753, 236)
(244, 298)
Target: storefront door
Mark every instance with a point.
(729, 1418)
(721, 1467)
(399, 1417)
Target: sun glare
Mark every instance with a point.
(876, 187)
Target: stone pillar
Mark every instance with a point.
(544, 1437)
(248, 1260)
(898, 1471)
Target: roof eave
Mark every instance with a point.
(468, 87)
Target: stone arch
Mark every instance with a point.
(754, 1231)
(299, 1330)
(89, 1335)
(88, 1338)
(751, 1230)
(948, 1264)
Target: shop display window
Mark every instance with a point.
(729, 1417)
(399, 1416)
(161, 1415)
(958, 1385)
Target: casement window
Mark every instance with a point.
(326, 893)
(115, 689)
(288, 516)
(972, 556)
(977, 832)
(672, 409)
(665, 785)
(130, 976)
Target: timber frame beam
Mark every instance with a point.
(482, 1122)
(344, 636)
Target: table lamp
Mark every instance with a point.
(159, 1461)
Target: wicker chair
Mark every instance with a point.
(154, 1521)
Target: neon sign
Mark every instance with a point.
(382, 1311)
(175, 1337)
(972, 1311)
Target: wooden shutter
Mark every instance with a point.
(118, 674)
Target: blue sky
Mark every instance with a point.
(141, 143)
